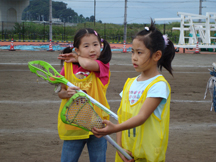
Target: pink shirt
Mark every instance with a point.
(102, 74)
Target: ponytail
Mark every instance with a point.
(106, 53)
(167, 57)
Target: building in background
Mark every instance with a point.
(11, 12)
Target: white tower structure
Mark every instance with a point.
(11, 11)
(190, 22)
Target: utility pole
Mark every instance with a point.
(94, 11)
(125, 22)
(200, 13)
(200, 9)
(50, 19)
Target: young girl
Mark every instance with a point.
(144, 111)
(88, 70)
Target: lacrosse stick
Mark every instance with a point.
(48, 73)
(79, 112)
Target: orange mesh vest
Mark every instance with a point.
(147, 142)
(94, 88)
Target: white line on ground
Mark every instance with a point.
(194, 101)
(11, 70)
(37, 130)
(13, 63)
(173, 65)
(175, 127)
(51, 101)
(28, 102)
(175, 72)
(113, 64)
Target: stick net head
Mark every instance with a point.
(46, 71)
(79, 111)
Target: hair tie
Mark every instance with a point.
(71, 46)
(166, 40)
(95, 33)
(102, 40)
(147, 28)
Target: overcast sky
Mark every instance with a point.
(138, 11)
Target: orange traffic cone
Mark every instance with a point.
(50, 46)
(197, 49)
(124, 48)
(12, 46)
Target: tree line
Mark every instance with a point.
(39, 10)
(114, 33)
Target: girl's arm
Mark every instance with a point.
(118, 138)
(146, 110)
(85, 63)
(88, 64)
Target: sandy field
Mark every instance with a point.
(29, 108)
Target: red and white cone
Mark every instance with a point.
(12, 46)
(197, 49)
(50, 46)
(124, 48)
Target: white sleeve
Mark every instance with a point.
(159, 89)
(120, 94)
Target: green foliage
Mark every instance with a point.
(39, 10)
(61, 32)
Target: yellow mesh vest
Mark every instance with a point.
(95, 88)
(148, 142)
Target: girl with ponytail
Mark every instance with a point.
(89, 70)
(144, 112)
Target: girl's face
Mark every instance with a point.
(140, 56)
(89, 47)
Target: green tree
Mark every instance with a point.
(37, 8)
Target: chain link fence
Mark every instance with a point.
(39, 31)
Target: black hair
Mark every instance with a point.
(66, 50)
(154, 41)
(106, 53)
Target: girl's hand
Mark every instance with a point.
(72, 90)
(66, 93)
(70, 57)
(110, 128)
(124, 158)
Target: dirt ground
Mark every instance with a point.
(29, 108)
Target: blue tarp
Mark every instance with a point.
(43, 48)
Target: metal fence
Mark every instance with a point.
(39, 31)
